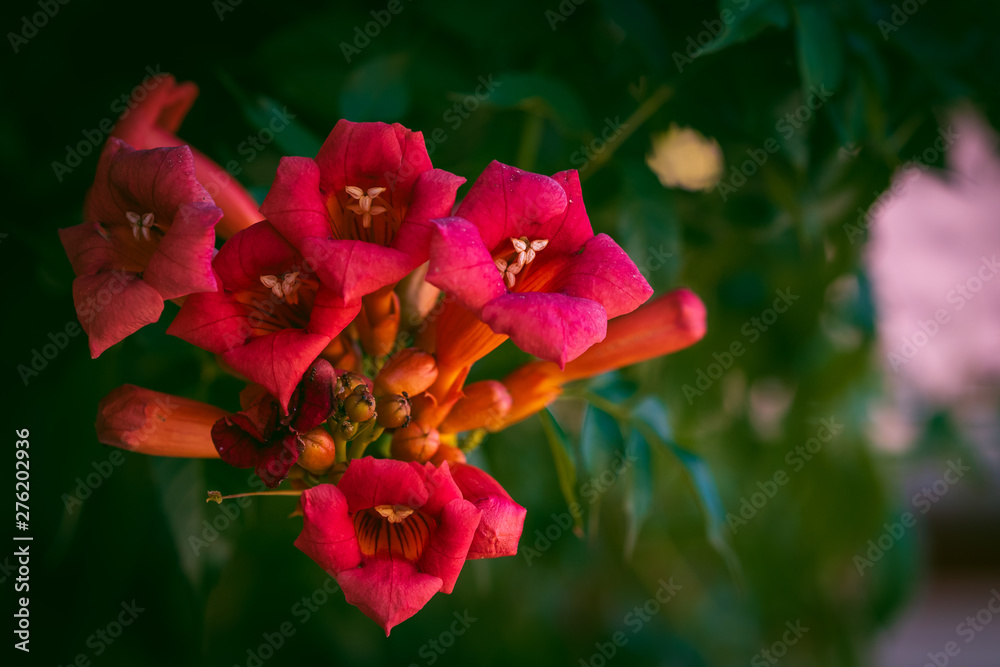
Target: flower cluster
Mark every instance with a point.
(354, 305)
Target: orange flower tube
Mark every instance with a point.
(150, 422)
(667, 324)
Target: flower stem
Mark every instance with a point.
(341, 446)
(218, 497)
(631, 124)
(358, 446)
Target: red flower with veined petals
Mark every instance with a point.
(271, 318)
(392, 534)
(148, 235)
(520, 255)
(365, 203)
(152, 120)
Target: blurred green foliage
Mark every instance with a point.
(561, 73)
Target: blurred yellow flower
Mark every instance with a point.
(684, 158)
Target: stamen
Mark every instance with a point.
(286, 287)
(364, 206)
(525, 251)
(140, 223)
(394, 513)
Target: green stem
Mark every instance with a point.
(531, 139)
(631, 124)
(359, 444)
(341, 448)
(217, 497)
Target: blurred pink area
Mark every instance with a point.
(933, 258)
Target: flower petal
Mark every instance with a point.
(369, 482)
(328, 535)
(446, 551)
(461, 265)
(294, 204)
(604, 273)
(570, 229)
(277, 361)
(313, 400)
(352, 269)
(433, 197)
(555, 327)
(369, 155)
(388, 591)
(182, 262)
(507, 202)
(212, 321)
(502, 519)
(113, 305)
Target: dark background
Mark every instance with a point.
(130, 539)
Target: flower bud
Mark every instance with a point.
(448, 453)
(413, 443)
(359, 406)
(151, 422)
(346, 384)
(318, 452)
(410, 371)
(393, 411)
(347, 429)
(484, 405)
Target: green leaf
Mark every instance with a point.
(600, 438)
(651, 420)
(377, 90)
(562, 455)
(821, 58)
(290, 136)
(639, 489)
(181, 487)
(543, 95)
(750, 18)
